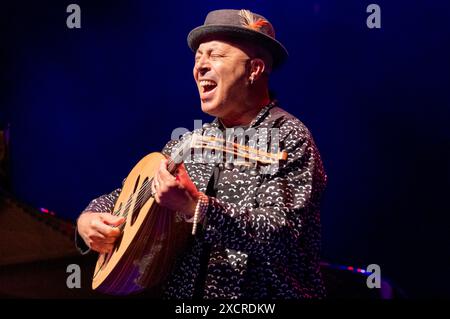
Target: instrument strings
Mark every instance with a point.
(142, 195)
(238, 149)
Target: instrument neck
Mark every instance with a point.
(172, 165)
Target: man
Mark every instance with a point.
(258, 233)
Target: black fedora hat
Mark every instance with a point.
(239, 24)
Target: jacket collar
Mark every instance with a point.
(256, 121)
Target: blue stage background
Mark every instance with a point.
(84, 105)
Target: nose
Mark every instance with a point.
(202, 65)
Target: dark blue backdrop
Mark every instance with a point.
(85, 104)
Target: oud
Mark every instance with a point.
(153, 236)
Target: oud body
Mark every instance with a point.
(152, 237)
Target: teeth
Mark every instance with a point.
(207, 82)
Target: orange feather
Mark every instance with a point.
(258, 24)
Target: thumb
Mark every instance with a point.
(181, 171)
(112, 220)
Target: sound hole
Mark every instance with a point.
(141, 199)
(118, 242)
(136, 184)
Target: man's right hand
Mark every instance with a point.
(99, 230)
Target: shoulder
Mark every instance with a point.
(291, 129)
(297, 140)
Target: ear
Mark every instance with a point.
(257, 68)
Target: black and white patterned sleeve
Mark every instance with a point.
(104, 203)
(285, 209)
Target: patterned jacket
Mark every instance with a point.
(261, 233)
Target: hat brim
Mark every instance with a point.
(199, 34)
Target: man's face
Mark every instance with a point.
(221, 74)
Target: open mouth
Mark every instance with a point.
(207, 88)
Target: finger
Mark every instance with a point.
(95, 235)
(106, 240)
(97, 242)
(112, 220)
(155, 180)
(102, 248)
(185, 181)
(160, 183)
(165, 176)
(106, 248)
(157, 198)
(153, 187)
(110, 240)
(104, 229)
(163, 164)
(182, 172)
(109, 247)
